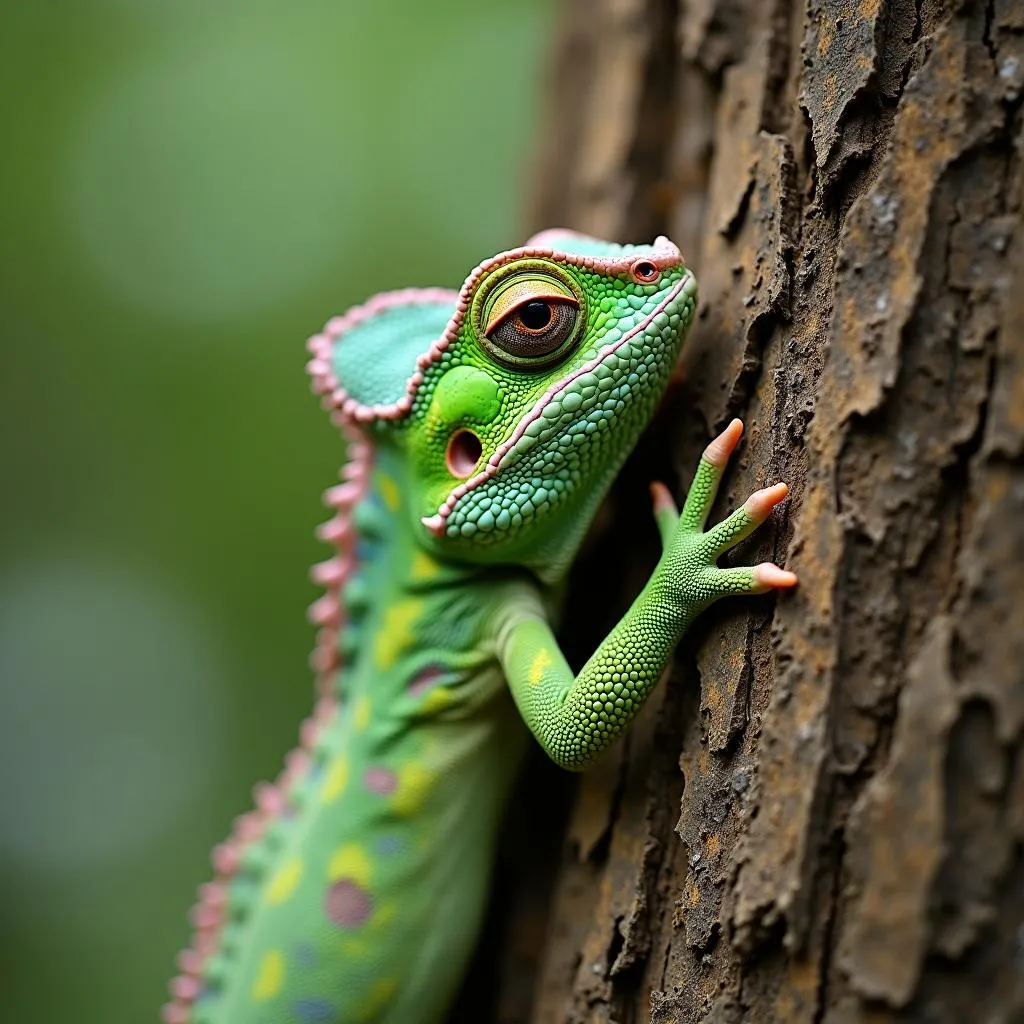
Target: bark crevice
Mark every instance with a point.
(821, 817)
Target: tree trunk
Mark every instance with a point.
(820, 816)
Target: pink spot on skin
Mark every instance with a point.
(424, 679)
(381, 781)
(347, 904)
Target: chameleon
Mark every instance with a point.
(483, 428)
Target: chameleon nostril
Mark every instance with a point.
(464, 451)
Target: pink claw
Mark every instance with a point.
(760, 504)
(771, 577)
(720, 450)
(662, 498)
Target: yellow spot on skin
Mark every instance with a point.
(283, 884)
(361, 713)
(414, 785)
(389, 491)
(384, 915)
(423, 567)
(436, 699)
(336, 780)
(270, 977)
(350, 861)
(541, 661)
(396, 631)
(381, 992)
(356, 949)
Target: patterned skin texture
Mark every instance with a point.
(484, 428)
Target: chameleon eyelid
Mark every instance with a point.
(522, 294)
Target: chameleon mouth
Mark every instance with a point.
(463, 454)
(436, 523)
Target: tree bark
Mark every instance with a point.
(820, 816)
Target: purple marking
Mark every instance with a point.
(382, 781)
(425, 678)
(304, 954)
(387, 845)
(347, 904)
(312, 1009)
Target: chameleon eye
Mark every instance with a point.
(645, 272)
(530, 320)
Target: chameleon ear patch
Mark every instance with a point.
(363, 361)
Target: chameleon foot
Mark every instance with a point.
(693, 553)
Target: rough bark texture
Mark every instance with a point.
(821, 815)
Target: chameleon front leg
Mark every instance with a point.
(576, 718)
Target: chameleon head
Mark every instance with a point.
(518, 416)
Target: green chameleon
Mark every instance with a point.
(484, 427)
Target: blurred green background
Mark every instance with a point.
(187, 190)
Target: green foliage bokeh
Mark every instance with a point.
(187, 190)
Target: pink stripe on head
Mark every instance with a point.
(552, 236)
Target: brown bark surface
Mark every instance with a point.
(820, 816)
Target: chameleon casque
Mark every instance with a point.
(484, 427)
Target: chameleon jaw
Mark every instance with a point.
(436, 523)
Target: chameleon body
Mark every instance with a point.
(484, 427)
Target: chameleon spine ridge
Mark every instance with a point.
(208, 916)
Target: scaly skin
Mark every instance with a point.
(484, 429)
